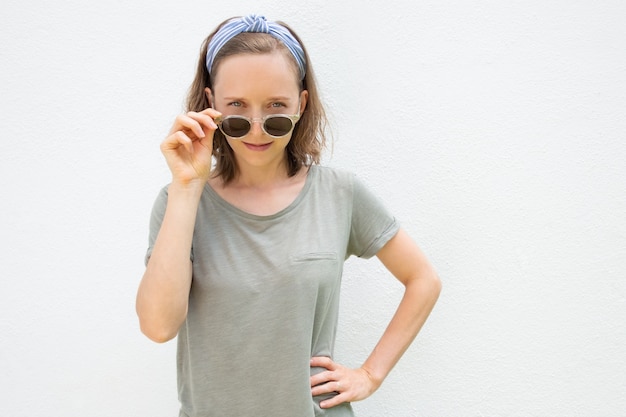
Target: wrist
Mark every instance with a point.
(186, 189)
(376, 380)
(193, 185)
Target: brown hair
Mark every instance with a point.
(309, 134)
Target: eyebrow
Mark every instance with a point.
(273, 98)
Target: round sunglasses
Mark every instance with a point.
(274, 125)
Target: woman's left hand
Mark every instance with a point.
(350, 384)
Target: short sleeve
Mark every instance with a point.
(372, 226)
(156, 218)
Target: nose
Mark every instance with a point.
(256, 126)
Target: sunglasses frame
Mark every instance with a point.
(292, 117)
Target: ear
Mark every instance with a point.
(304, 96)
(208, 93)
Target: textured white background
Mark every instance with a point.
(494, 130)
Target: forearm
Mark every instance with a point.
(418, 301)
(163, 294)
(356, 384)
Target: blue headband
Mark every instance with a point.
(255, 24)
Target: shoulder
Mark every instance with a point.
(337, 180)
(334, 177)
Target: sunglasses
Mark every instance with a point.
(274, 125)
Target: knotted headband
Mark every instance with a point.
(255, 24)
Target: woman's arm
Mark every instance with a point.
(163, 294)
(164, 289)
(409, 265)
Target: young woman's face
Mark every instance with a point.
(255, 86)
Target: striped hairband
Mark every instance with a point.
(255, 24)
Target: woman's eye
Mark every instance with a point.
(235, 104)
(278, 105)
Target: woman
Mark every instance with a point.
(246, 254)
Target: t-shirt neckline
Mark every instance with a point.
(312, 172)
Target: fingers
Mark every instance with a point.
(177, 139)
(340, 387)
(190, 127)
(189, 145)
(336, 400)
(195, 124)
(329, 387)
(326, 381)
(347, 384)
(322, 377)
(323, 362)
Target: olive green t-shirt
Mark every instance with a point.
(264, 297)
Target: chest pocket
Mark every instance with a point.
(320, 270)
(315, 256)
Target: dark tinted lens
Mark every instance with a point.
(235, 127)
(278, 125)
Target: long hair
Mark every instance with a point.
(309, 134)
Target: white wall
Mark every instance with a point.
(494, 130)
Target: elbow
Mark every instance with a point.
(160, 338)
(428, 284)
(158, 334)
(159, 329)
(436, 284)
(157, 323)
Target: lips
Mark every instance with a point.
(257, 147)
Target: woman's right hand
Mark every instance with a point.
(189, 146)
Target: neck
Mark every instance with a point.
(261, 177)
